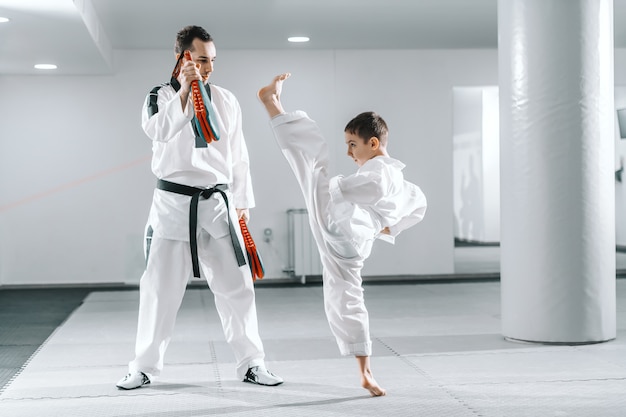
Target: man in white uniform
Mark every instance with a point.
(346, 214)
(202, 191)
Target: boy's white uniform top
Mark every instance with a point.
(176, 159)
(375, 197)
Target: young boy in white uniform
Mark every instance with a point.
(346, 214)
(186, 165)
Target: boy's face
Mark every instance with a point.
(203, 53)
(360, 150)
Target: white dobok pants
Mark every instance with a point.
(163, 285)
(306, 150)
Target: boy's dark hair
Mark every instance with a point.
(186, 35)
(367, 125)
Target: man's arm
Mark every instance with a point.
(242, 180)
(163, 119)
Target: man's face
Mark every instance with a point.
(358, 149)
(203, 53)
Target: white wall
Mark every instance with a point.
(75, 180)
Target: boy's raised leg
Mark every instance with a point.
(270, 95)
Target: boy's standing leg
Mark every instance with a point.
(347, 315)
(306, 152)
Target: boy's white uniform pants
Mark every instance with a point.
(162, 288)
(306, 151)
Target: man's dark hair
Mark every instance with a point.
(367, 125)
(186, 35)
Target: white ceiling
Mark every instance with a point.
(80, 35)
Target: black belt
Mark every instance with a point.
(195, 194)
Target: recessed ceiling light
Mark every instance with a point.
(45, 66)
(298, 39)
(4, 19)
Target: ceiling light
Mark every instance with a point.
(4, 19)
(45, 66)
(298, 39)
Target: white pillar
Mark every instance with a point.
(557, 179)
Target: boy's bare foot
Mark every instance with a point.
(367, 379)
(369, 383)
(270, 95)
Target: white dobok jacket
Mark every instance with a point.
(177, 159)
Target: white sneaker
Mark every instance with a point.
(261, 376)
(133, 380)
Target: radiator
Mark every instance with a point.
(304, 258)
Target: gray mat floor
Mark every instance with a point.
(437, 350)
